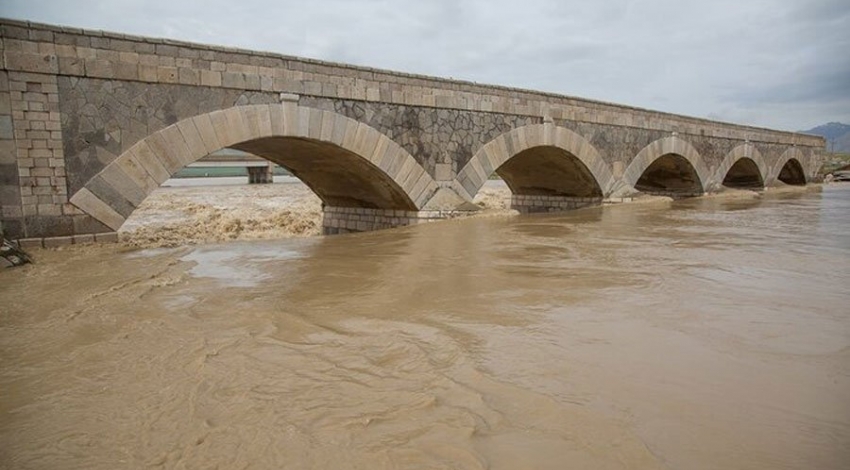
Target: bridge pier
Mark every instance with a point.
(529, 204)
(260, 174)
(337, 220)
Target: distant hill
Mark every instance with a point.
(837, 136)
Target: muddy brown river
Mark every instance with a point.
(710, 333)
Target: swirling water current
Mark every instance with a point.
(699, 334)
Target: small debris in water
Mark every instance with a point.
(11, 255)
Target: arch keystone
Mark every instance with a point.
(290, 118)
(328, 121)
(258, 120)
(275, 118)
(315, 122)
(302, 129)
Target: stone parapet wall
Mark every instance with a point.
(529, 204)
(52, 50)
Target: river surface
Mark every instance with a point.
(709, 333)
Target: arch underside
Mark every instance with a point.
(548, 171)
(346, 163)
(792, 173)
(339, 177)
(744, 173)
(670, 175)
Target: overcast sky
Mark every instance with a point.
(783, 64)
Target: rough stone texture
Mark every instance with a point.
(33, 188)
(101, 119)
(432, 136)
(338, 220)
(622, 144)
(529, 204)
(87, 130)
(11, 213)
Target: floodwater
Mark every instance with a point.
(710, 333)
(208, 210)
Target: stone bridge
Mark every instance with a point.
(92, 122)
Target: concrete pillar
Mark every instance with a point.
(260, 174)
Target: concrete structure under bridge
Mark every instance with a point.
(92, 122)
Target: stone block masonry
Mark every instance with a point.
(40, 160)
(91, 122)
(530, 204)
(38, 134)
(338, 220)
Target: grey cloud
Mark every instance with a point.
(775, 63)
(819, 11)
(817, 85)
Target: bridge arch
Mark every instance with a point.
(345, 162)
(744, 166)
(573, 155)
(789, 168)
(666, 155)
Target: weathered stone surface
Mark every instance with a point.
(46, 226)
(529, 204)
(102, 211)
(431, 135)
(53, 242)
(104, 118)
(112, 116)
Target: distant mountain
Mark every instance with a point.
(837, 136)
